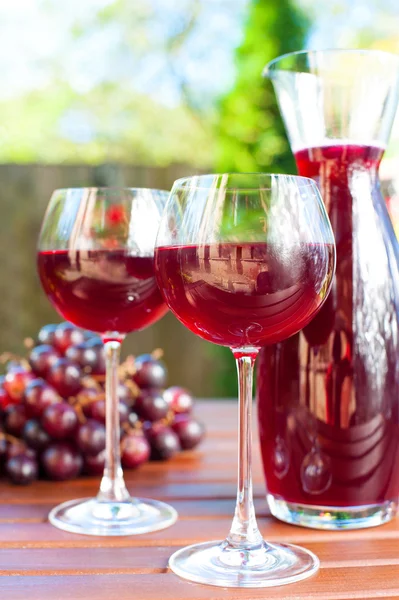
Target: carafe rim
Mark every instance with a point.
(271, 68)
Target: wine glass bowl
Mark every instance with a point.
(95, 258)
(249, 253)
(244, 260)
(96, 264)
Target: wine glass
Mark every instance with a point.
(96, 265)
(244, 260)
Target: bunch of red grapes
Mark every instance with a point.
(52, 409)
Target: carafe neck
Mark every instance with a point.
(339, 161)
(337, 169)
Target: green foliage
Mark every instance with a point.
(106, 124)
(250, 133)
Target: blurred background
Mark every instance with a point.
(115, 92)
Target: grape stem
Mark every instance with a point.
(10, 438)
(79, 411)
(6, 357)
(112, 488)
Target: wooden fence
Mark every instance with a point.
(24, 193)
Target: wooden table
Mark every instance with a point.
(38, 561)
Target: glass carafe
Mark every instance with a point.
(328, 398)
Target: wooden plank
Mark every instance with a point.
(45, 492)
(204, 508)
(39, 561)
(328, 584)
(216, 481)
(211, 409)
(64, 561)
(183, 532)
(366, 552)
(187, 476)
(44, 535)
(180, 468)
(149, 559)
(199, 459)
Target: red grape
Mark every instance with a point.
(135, 450)
(46, 429)
(98, 408)
(39, 395)
(13, 365)
(93, 359)
(89, 355)
(42, 358)
(22, 469)
(125, 394)
(164, 442)
(151, 405)
(35, 436)
(16, 381)
(75, 353)
(179, 399)
(123, 412)
(3, 448)
(94, 464)
(91, 336)
(60, 420)
(15, 419)
(87, 397)
(133, 419)
(91, 437)
(5, 399)
(190, 432)
(62, 461)
(67, 335)
(149, 372)
(19, 448)
(46, 334)
(66, 377)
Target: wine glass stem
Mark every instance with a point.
(244, 532)
(112, 488)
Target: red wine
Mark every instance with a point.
(328, 397)
(244, 294)
(102, 290)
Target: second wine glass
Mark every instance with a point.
(96, 265)
(244, 260)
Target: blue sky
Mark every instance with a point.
(35, 35)
(37, 42)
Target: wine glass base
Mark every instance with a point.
(271, 565)
(93, 517)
